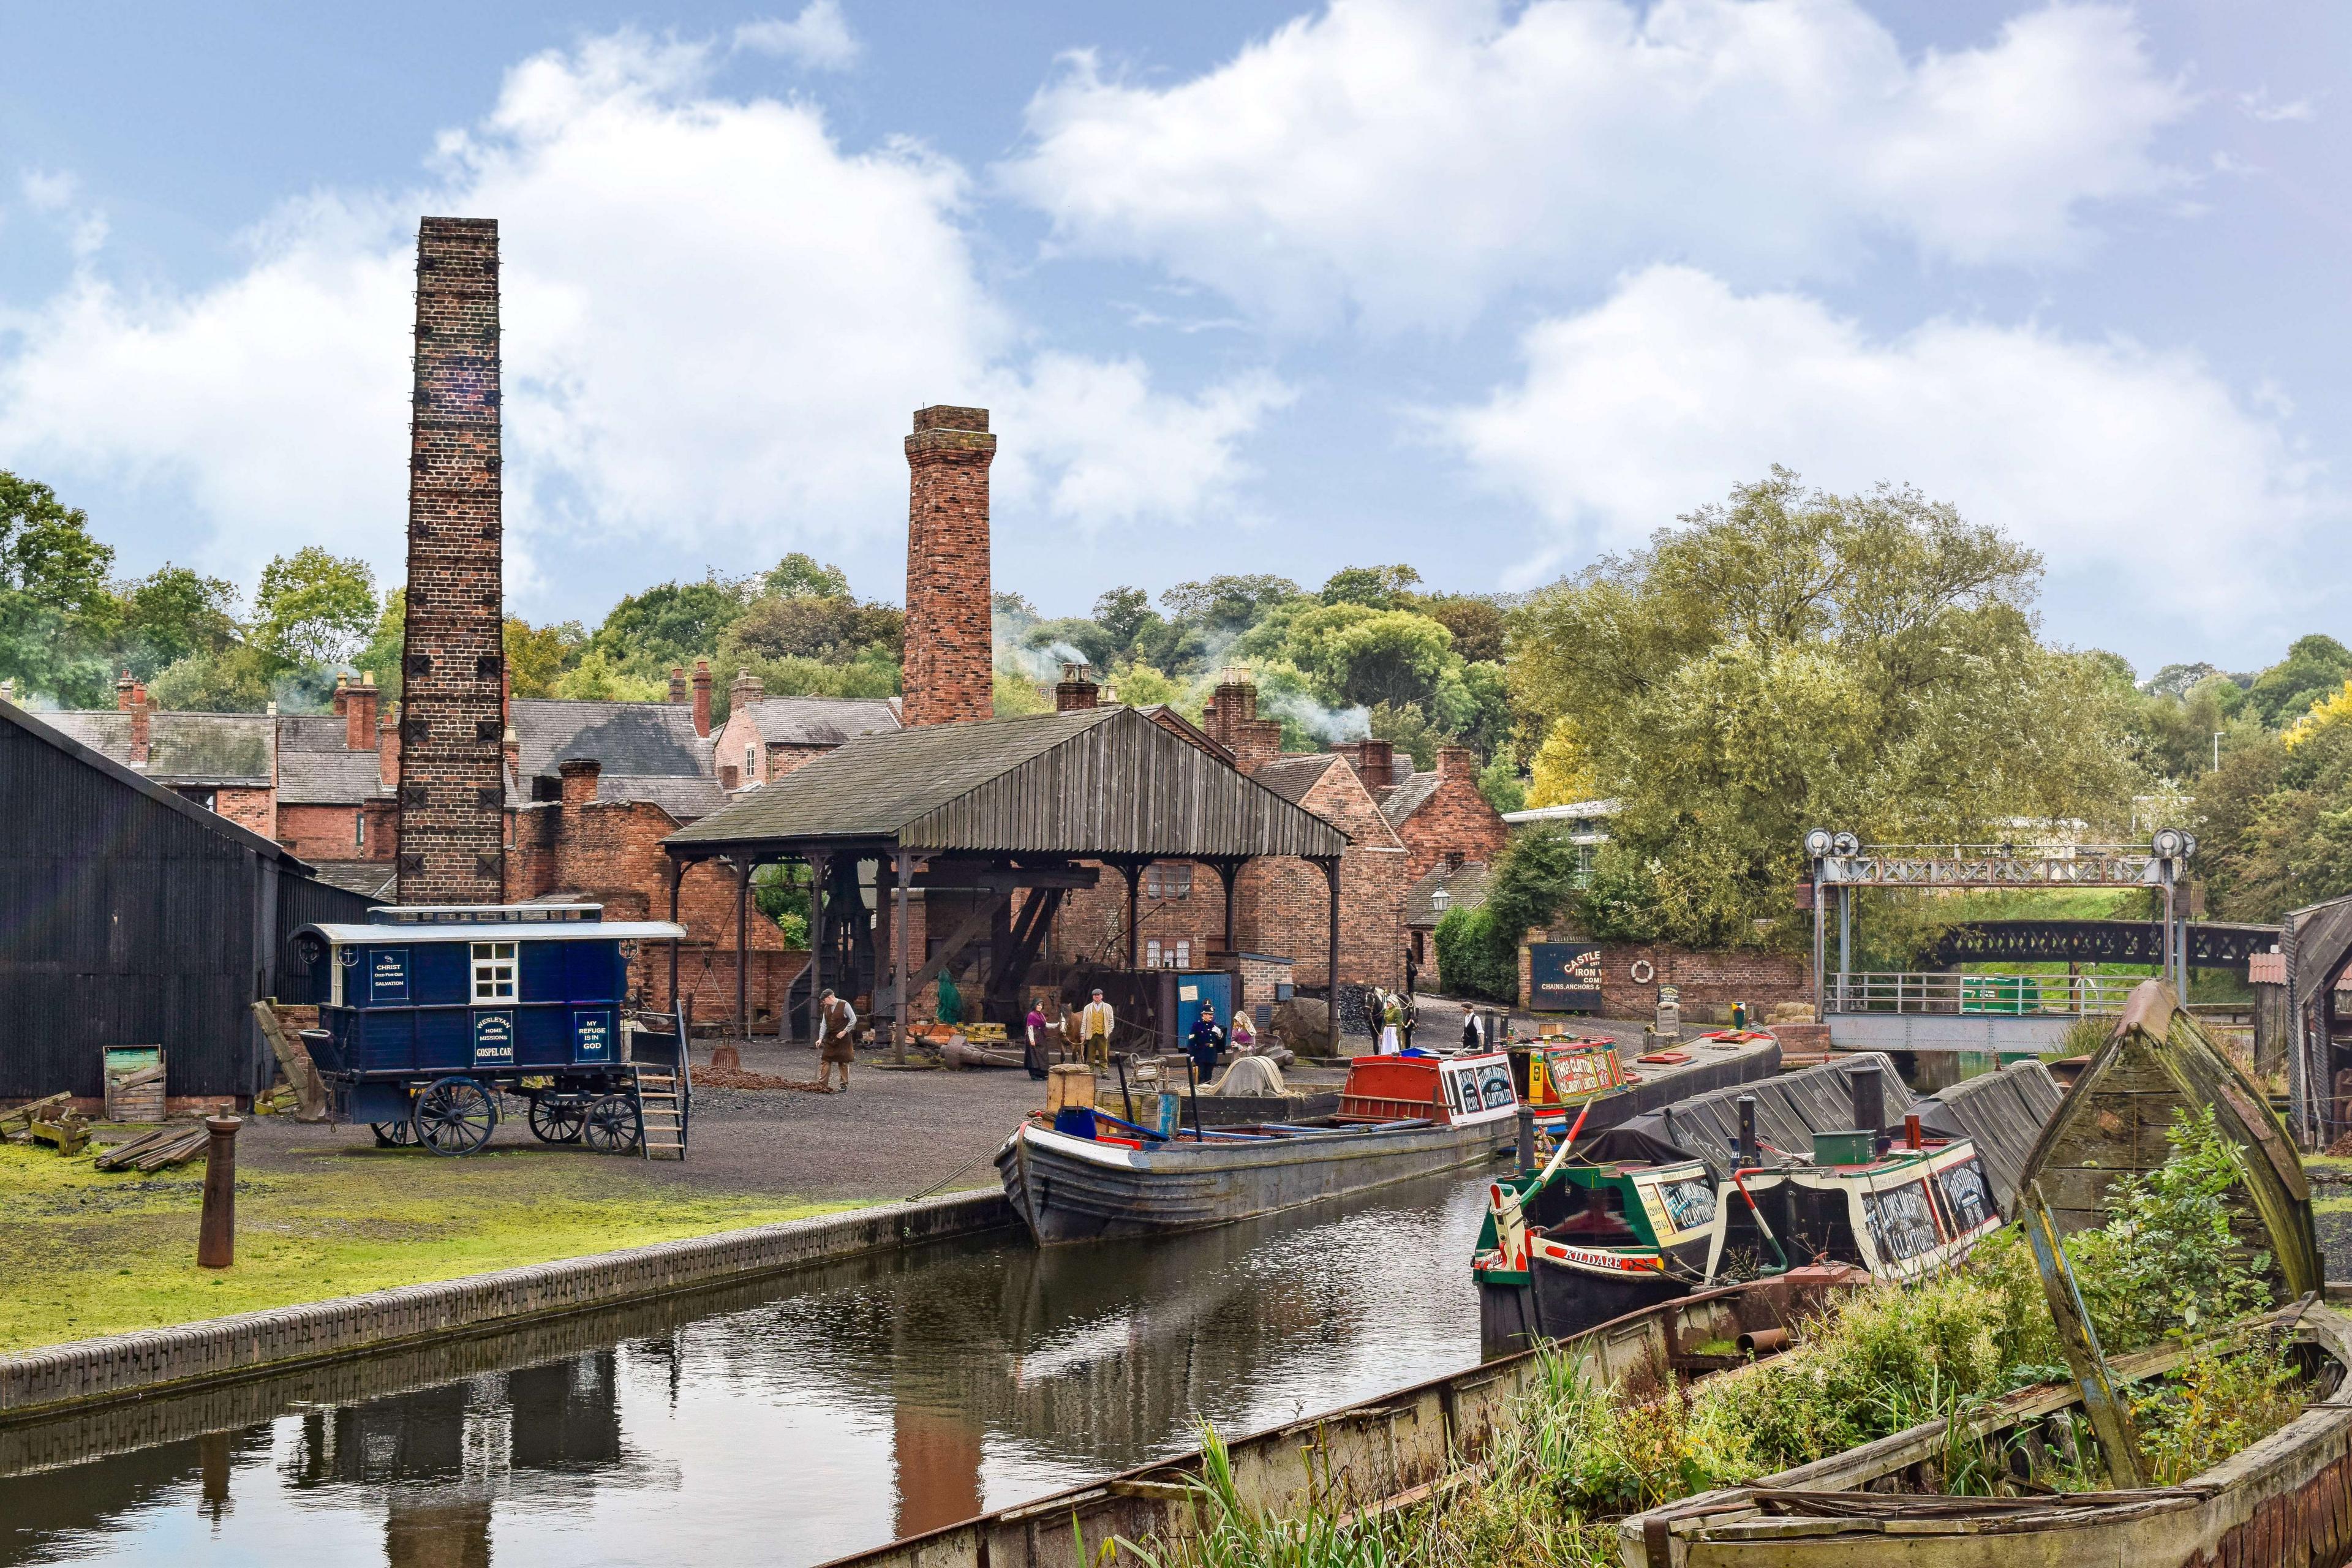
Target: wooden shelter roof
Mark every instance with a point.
(1092, 783)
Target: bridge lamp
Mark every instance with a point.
(1845, 844)
(1817, 843)
(1441, 900)
(2169, 844)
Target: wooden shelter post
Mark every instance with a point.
(903, 872)
(1229, 872)
(820, 868)
(1133, 871)
(1331, 1007)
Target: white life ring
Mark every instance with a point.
(1643, 972)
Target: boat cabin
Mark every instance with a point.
(1452, 1091)
(1559, 1076)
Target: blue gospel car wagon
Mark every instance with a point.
(432, 1013)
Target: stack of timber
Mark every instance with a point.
(280, 1100)
(173, 1146)
(294, 1061)
(136, 1096)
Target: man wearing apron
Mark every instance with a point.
(835, 1019)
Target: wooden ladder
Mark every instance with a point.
(661, 1119)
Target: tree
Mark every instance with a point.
(537, 656)
(313, 609)
(1377, 587)
(1500, 782)
(672, 624)
(1793, 659)
(238, 679)
(798, 575)
(1229, 603)
(169, 614)
(1357, 654)
(57, 616)
(1121, 612)
(382, 655)
(598, 677)
(1563, 772)
(2314, 667)
(831, 629)
(1473, 704)
(1481, 627)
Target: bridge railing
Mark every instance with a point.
(1993, 996)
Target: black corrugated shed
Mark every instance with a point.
(131, 916)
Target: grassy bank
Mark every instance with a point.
(91, 1254)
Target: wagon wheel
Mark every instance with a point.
(455, 1116)
(393, 1135)
(557, 1119)
(612, 1125)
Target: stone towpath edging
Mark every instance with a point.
(156, 1361)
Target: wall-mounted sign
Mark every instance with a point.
(1564, 977)
(1478, 1089)
(494, 1036)
(591, 1038)
(388, 974)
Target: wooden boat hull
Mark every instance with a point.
(2287, 1498)
(1068, 1189)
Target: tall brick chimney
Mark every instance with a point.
(1230, 716)
(1077, 690)
(123, 687)
(947, 670)
(452, 792)
(359, 714)
(702, 697)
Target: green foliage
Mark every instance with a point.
(238, 679)
(671, 624)
(1408, 730)
(1475, 957)
(385, 644)
(2218, 1404)
(597, 676)
(1358, 655)
(1501, 783)
(1533, 881)
(782, 894)
(171, 613)
(799, 576)
(1794, 659)
(830, 629)
(57, 617)
(1121, 614)
(1229, 604)
(1481, 627)
(2315, 667)
(314, 609)
(1376, 587)
(538, 656)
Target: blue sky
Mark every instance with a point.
(1485, 287)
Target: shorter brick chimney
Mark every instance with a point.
(1376, 763)
(677, 683)
(123, 687)
(746, 690)
(1456, 762)
(579, 780)
(343, 692)
(359, 714)
(1077, 689)
(1231, 719)
(730, 777)
(387, 747)
(142, 719)
(510, 747)
(702, 697)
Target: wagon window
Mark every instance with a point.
(494, 970)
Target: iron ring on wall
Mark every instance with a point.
(1643, 972)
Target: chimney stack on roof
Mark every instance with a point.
(123, 687)
(1077, 689)
(702, 697)
(142, 725)
(1456, 762)
(359, 714)
(948, 668)
(1376, 762)
(746, 690)
(1230, 717)
(677, 684)
(387, 747)
(580, 776)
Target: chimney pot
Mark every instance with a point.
(1077, 690)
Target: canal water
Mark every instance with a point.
(787, 1422)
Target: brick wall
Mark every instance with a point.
(329, 833)
(1092, 921)
(1261, 976)
(1455, 819)
(728, 745)
(452, 792)
(1706, 979)
(1285, 903)
(948, 669)
(250, 808)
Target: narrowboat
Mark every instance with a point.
(1561, 1078)
(1082, 1174)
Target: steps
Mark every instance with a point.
(661, 1116)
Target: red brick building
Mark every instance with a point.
(767, 737)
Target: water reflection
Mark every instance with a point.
(798, 1420)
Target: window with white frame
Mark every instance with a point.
(751, 761)
(1168, 880)
(1183, 958)
(359, 829)
(494, 970)
(1151, 954)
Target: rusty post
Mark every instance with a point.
(216, 1232)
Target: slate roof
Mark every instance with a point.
(1092, 782)
(820, 721)
(367, 879)
(685, 799)
(182, 748)
(44, 727)
(635, 740)
(313, 732)
(328, 778)
(1399, 802)
(1465, 889)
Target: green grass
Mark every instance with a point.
(89, 1253)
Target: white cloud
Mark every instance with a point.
(2258, 105)
(717, 325)
(1411, 158)
(819, 37)
(2126, 466)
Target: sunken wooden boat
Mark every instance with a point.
(1090, 1177)
(2113, 1123)
(2286, 1499)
